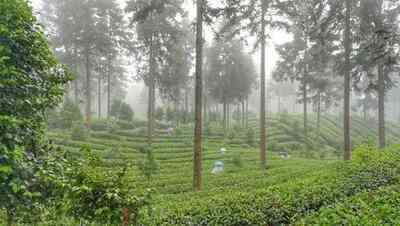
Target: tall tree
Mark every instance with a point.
(263, 134)
(157, 27)
(347, 80)
(197, 152)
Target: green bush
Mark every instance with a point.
(237, 160)
(100, 125)
(121, 111)
(125, 125)
(149, 166)
(70, 113)
(79, 132)
(286, 203)
(251, 137)
(367, 208)
(159, 114)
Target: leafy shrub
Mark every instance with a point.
(70, 113)
(125, 125)
(65, 117)
(138, 123)
(286, 203)
(79, 132)
(170, 114)
(232, 134)
(100, 196)
(179, 132)
(149, 165)
(100, 125)
(237, 160)
(159, 114)
(121, 111)
(251, 137)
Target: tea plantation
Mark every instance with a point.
(311, 187)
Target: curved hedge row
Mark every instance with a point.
(288, 202)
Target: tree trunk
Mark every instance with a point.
(99, 97)
(381, 108)
(262, 99)
(364, 110)
(197, 158)
(88, 91)
(224, 121)
(186, 106)
(319, 112)
(346, 121)
(76, 82)
(243, 114)
(305, 122)
(109, 89)
(247, 112)
(151, 98)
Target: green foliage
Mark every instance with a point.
(232, 134)
(101, 196)
(65, 117)
(79, 132)
(69, 114)
(159, 114)
(31, 82)
(121, 111)
(170, 114)
(284, 204)
(178, 132)
(237, 160)
(149, 165)
(251, 137)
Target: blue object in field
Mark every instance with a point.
(218, 167)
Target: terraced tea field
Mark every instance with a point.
(173, 154)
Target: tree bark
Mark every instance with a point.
(305, 119)
(197, 158)
(243, 114)
(76, 82)
(109, 88)
(381, 108)
(262, 99)
(247, 112)
(88, 91)
(99, 97)
(346, 121)
(151, 98)
(186, 106)
(224, 120)
(319, 112)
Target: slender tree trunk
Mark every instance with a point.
(347, 80)
(381, 108)
(88, 91)
(319, 112)
(263, 141)
(150, 107)
(243, 114)
(227, 117)
(247, 112)
(364, 110)
(186, 106)
(99, 97)
(76, 81)
(305, 119)
(109, 89)
(279, 104)
(197, 158)
(224, 118)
